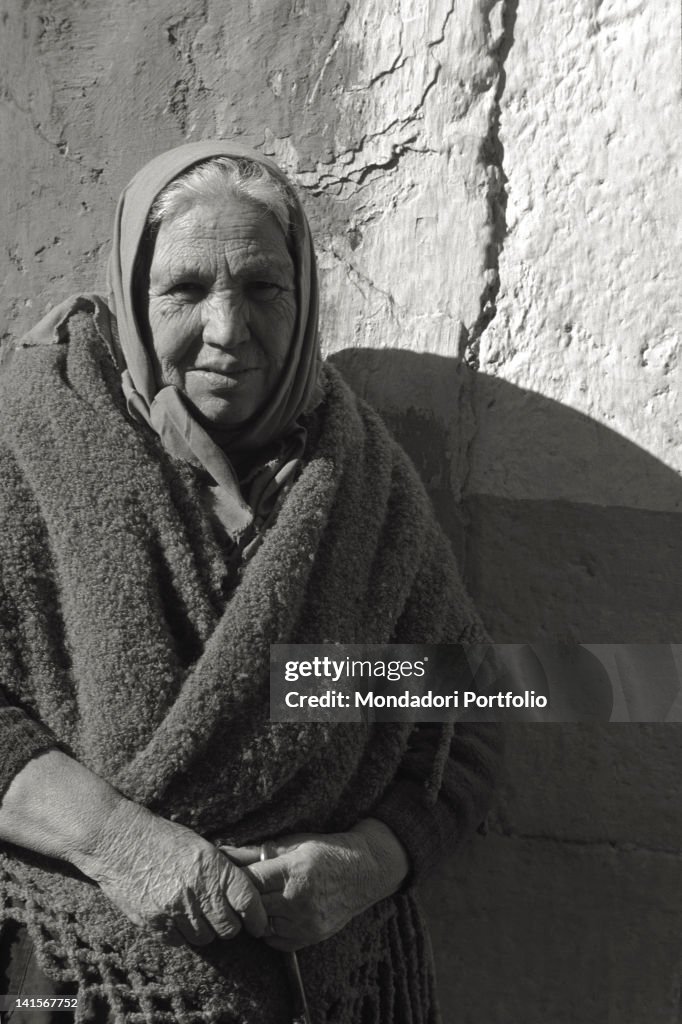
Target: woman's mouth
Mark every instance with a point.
(227, 379)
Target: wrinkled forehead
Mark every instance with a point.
(231, 219)
(237, 235)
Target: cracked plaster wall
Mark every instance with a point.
(574, 480)
(495, 199)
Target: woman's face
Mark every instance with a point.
(222, 307)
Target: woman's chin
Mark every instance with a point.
(224, 409)
(219, 413)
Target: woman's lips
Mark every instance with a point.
(224, 378)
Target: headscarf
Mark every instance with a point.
(163, 407)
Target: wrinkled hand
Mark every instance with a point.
(166, 878)
(313, 884)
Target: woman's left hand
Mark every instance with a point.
(313, 884)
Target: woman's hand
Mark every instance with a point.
(161, 875)
(167, 878)
(312, 885)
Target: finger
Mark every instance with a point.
(224, 922)
(242, 855)
(272, 847)
(245, 900)
(221, 917)
(192, 923)
(268, 875)
(197, 931)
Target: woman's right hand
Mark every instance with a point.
(161, 875)
(166, 878)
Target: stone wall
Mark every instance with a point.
(494, 191)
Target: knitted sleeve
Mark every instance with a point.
(430, 830)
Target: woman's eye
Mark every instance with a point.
(264, 290)
(189, 291)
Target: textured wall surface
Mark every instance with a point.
(495, 196)
(576, 456)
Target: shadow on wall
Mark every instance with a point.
(599, 563)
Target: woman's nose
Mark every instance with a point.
(225, 322)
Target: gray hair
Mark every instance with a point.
(212, 179)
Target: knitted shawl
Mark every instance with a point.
(116, 633)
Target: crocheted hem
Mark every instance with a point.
(102, 972)
(378, 969)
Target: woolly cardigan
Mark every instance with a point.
(119, 643)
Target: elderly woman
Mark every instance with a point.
(183, 484)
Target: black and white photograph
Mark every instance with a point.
(340, 512)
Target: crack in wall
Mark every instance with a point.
(368, 213)
(359, 176)
(402, 59)
(399, 62)
(491, 155)
(356, 168)
(322, 179)
(441, 37)
(319, 181)
(358, 279)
